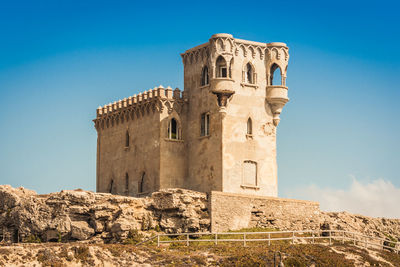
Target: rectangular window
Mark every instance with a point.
(205, 124)
(250, 173)
(223, 72)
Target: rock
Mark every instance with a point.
(81, 230)
(101, 217)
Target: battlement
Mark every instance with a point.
(152, 100)
(142, 98)
(227, 44)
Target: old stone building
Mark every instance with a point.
(218, 134)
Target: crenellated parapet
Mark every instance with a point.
(141, 105)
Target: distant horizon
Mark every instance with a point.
(338, 138)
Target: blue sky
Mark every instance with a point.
(60, 60)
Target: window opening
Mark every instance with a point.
(249, 127)
(127, 139)
(173, 129)
(221, 67)
(205, 124)
(204, 76)
(249, 73)
(276, 75)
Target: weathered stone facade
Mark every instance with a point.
(219, 134)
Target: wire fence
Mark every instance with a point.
(304, 236)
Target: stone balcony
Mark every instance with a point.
(277, 97)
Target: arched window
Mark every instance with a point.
(173, 132)
(276, 73)
(249, 126)
(204, 76)
(221, 70)
(141, 183)
(249, 75)
(127, 139)
(126, 183)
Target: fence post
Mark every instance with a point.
(330, 238)
(216, 238)
(187, 239)
(354, 239)
(293, 237)
(365, 242)
(244, 239)
(158, 240)
(269, 239)
(313, 239)
(343, 237)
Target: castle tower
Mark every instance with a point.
(231, 81)
(219, 134)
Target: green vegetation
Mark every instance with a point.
(134, 237)
(33, 239)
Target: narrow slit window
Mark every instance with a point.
(249, 126)
(205, 124)
(127, 139)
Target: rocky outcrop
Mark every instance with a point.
(378, 227)
(81, 215)
(76, 215)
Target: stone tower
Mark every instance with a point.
(219, 134)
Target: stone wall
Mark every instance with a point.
(234, 211)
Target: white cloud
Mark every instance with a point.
(378, 198)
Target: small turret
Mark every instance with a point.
(277, 95)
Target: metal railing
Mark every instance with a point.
(357, 239)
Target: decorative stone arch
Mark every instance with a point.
(249, 74)
(252, 51)
(220, 45)
(260, 53)
(243, 50)
(230, 45)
